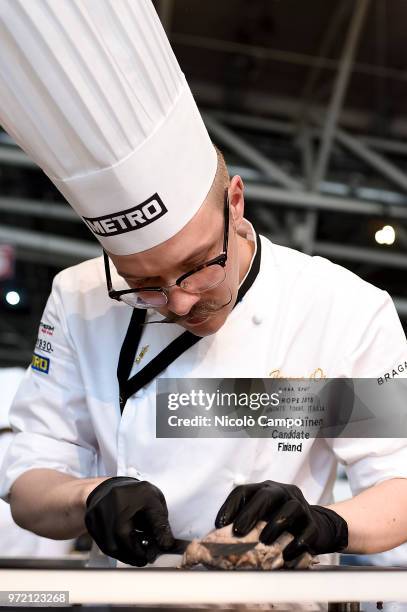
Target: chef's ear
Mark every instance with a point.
(236, 200)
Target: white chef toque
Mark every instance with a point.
(92, 91)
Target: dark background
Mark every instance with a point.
(265, 74)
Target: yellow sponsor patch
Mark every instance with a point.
(40, 363)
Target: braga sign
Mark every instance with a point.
(128, 220)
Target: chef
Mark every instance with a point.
(185, 288)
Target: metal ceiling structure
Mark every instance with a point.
(284, 91)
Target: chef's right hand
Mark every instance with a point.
(128, 519)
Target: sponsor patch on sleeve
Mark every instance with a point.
(46, 329)
(39, 363)
(44, 345)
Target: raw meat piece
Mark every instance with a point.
(261, 556)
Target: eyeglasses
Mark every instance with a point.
(202, 278)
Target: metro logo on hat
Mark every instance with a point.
(93, 93)
(128, 220)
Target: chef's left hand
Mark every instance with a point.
(315, 529)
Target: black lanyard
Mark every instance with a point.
(129, 386)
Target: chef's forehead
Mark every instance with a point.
(202, 234)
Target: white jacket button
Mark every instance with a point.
(257, 319)
(239, 479)
(133, 473)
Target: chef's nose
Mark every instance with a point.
(180, 302)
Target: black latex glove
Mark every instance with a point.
(315, 529)
(128, 519)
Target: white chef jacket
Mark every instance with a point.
(303, 316)
(14, 541)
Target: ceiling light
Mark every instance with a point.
(13, 298)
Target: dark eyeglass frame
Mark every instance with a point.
(220, 260)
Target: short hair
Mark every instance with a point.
(221, 180)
